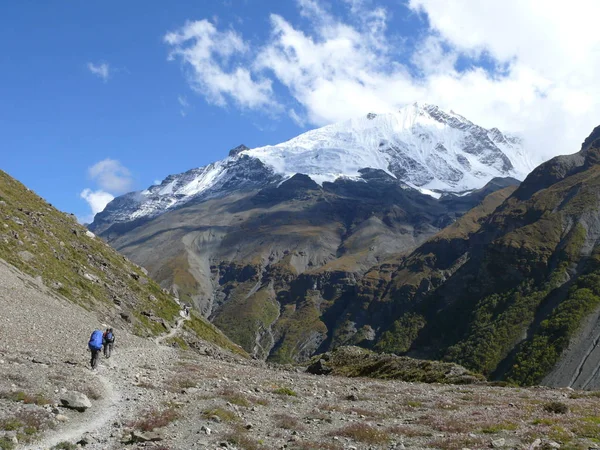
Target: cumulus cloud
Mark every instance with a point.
(96, 199)
(532, 67)
(101, 70)
(209, 53)
(112, 178)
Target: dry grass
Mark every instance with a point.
(556, 408)
(458, 442)
(235, 397)
(287, 422)
(238, 437)
(363, 432)
(29, 399)
(223, 414)
(408, 431)
(318, 446)
(154, 418)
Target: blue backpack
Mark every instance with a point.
(95, 340)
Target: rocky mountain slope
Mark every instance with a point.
(163, 397)
(419, 145)
(515, 295)
(255, 263)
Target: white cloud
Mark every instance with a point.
(541, 63)
(111, 176)
(97, 200)
(101, 70)
(209, 52)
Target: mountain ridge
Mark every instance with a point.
(420, 145)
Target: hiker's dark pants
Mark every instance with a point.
(94, 360)
(108, 347)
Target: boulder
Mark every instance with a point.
(75, 400)
(319, 368)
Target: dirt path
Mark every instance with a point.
(117, 376)
(174, 331)
(105, 410)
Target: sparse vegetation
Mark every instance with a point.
(6, 444)
(556, 408)
(223, 414)
(498, 427)
(287, 422)
(363, 432)
(20, 396)
(154, 418)
(285, 391)
(235, 397)
(64, 446)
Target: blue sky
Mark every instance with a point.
(104, 97)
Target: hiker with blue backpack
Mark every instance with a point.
(108, 339)
(95, 346)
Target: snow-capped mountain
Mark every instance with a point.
(419, 145)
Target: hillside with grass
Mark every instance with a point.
(64, 256)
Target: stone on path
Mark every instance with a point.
(75, 400)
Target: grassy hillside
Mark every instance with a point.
(507, 296)
(40, 240)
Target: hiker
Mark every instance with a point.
(108, 339)
(95, 346)
(186, 310)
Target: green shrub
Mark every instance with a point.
(556, 408)
(285, 391)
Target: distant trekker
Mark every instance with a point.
(108, 339)
(186, 310)
(95, 346)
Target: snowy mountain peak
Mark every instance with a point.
(421, 145)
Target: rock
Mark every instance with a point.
(75, 400)
(56, 285)
(149, 436)
(216, 419)
(89, 234)
(14, 440)
(497, 443)
(550, 444)
(134, 275)
(26, 256)
(352, 397)
(206, 430)
(90, 277)
(126, 317)
(535, 444)
(61, 418)
(319, 368)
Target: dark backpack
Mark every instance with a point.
(109, 337)
(95, 340)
